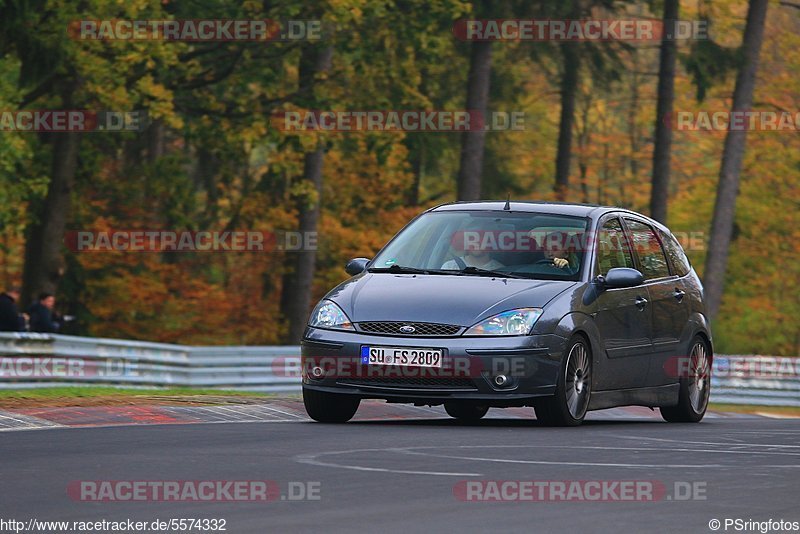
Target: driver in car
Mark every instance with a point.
(557, 251)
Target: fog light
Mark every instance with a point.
(500, 380)
(317, 372)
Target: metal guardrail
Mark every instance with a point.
(37, 360)
(759, 380)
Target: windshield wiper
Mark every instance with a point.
(487, 272)
(400, 269)
(476, 271)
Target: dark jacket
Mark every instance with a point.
(10, 319)
(41, 318)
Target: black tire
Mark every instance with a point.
(465, 411)
(695, 388)
(570, 403)
(329, 407)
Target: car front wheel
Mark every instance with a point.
(574, 388)
(329, 407)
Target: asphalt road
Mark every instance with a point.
(410, 475)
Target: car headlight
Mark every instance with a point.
(509, 323)
(328, 315)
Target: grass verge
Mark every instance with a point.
(108, 391)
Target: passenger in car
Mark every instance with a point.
(475, 254)
(474, 258)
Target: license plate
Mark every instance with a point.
(405, 356)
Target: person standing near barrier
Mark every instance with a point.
(41, 314)
(10, 318)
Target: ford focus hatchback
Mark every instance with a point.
(561, 307)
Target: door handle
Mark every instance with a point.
(679, 294)
(640, 302)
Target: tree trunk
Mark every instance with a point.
(732, 154)
(663, 132)
(583, 169)
(584, 138)
(569, 88)
(305, 261)
(473, 141)
(44, 264)
(204, 175)
(418, 169)
(155, 141)
(603, 180)
(297, 292)
(633, 113)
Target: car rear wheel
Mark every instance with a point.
(695, 387)
(574, 388)
(329, 407)
(465, 411)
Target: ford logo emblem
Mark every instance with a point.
(407, 329)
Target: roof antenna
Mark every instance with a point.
(507, 207)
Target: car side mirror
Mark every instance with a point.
(619, 277)
(356, 266)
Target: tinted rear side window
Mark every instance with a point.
(648, 249)
(675, 253)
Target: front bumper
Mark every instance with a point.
(470, 365)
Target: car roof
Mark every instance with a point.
(555, 208)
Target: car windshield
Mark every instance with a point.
(488, 243)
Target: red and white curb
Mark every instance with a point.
(288, 410)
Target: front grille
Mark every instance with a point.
(413, 382)
(420, 329)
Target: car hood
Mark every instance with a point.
(460, 300)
